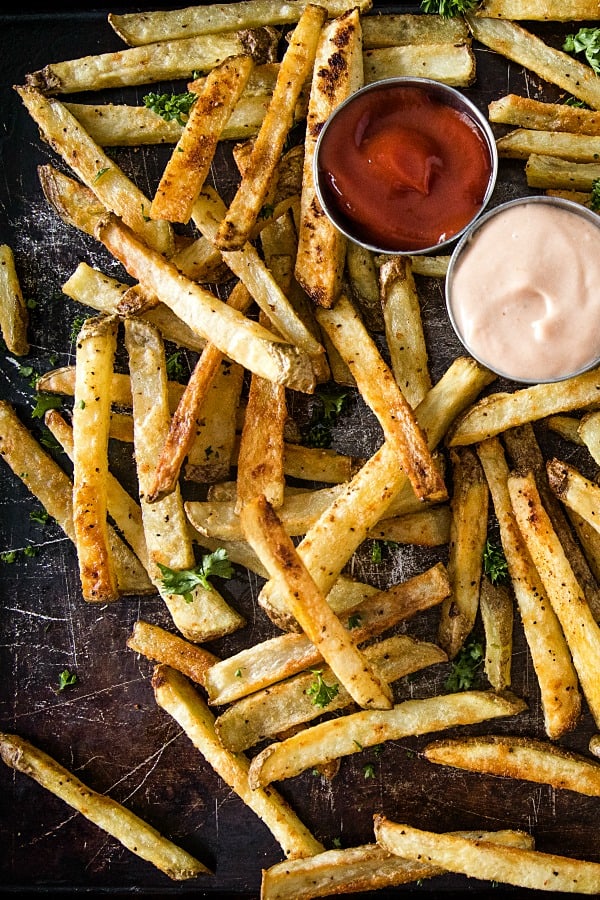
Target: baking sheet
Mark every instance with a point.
(107, 728)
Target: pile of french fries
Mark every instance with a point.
(275, 303)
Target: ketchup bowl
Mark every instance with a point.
(405, 165)
(523, 289)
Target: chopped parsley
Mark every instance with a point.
(354, 620)
(44, 402)
(369, 770)
(8, 556)
(330, 403)
(321, 693)
(495, 565)
(76, 326)
(448, 8)
(595, 195)
(171, 107)
(40, 516)
(175, 367)
(183, 581)
(465, 666)
(377, 549)
(66, 679)
(586, 41)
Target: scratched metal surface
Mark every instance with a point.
(107, 728)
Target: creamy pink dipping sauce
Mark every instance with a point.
(524, 292)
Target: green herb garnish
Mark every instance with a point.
(171, 107)
(369, 770)
(183, 581)
(8, 556)
(44, 402)
(354, 620)
(330, 402)
(100, 173)
(175, 368)
(40, 516)
(321, 693)
(76, 326)
(448, 8)
(66, 679)
(586, 41)
(495, 565)
(595, 195)
(465, 667)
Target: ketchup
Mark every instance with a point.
(402, 169)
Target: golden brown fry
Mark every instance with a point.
(425, 528)
(404, 329)
(363, 283)
(189, 164)
(579, 493)
(295, 67)
(319, 464)
(381, 392)
(522, 142)
(398, 29)
(96, 348)
(134, 833)
(554, 10)
(309, 607)
(543, 171)
(468, 534)
(175, 694)
(496, 606)
(557, 679)
(62, 381)
(525, 112)
(349, 734)
(568, 601)
(482, 859)
(589, 432)
(161, 646)
(14, 317)
(566, 426)
(451, 64)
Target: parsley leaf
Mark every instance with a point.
(66, 679)
(44, 402)
(175, 367)
(183, 581)
(40, 516)
(171, 106)
(595, 198)
(586, 41)
(8, 556)
(465, 666)
(330, 403)
(448, 8)
(495, 565)
(321, 693)
(369, 770)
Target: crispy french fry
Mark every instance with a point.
(525, 112)
(159, 25)
(589, 432)
(272, 711)
(496, 606)
(159, 61)
(498, 412)
(295, 67)
(54, 489)
(522, 142)
(519, 757)
(373, 613)
(398, 29)
(349, 734)
(554, 10)
(134, 833)
(426, 528)
(530, 51)
(363, 278)
(566, 426)
(207, 615)
(482, 859)
(451, 64)
(543, 171)
(365, 868)
(381, 392)
(430, 266)
(14, 317)
(338, 71)
(113, 189)
(175, 694)
(164, 647)
(468, 534)
(581, 631)
(309, 607)
(189, 164)
(62, 381)
(96, 348)
(576, 491)
(557, 679)
(319, 464)
(404, 329)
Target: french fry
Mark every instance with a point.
(207, 615)
(381, 392)
(522, 142)
(451, 64)
(319, 464)
(398, 29)
(568, 601)
(14, 317)
(468, 534)
(566, 426)
(54, 489)
(160, 61)
(62, 381)
(159, 25)
(589, 432)
(96, 348)
(496, 607)
(171, 650)
(525, 112)
(374, 612)
(175, 694)
(430, 266)
(482, 859)
(338, 72)
(309, 607)
(426, 528)
(519, 757)
(98, 172)
(189, 164)
(498, 412)
(295, 67)
(349, 734)
(112, 817)
(243, 340)
(543, 171)
(554, 10)
(559, 688)
(404, 329)
(272, 711)
(363, 282)
(365, 868)
(579, 493)
(530, 51)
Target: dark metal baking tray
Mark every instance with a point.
(107, 728)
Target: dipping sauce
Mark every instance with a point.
(403, 168)
(523, 289)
